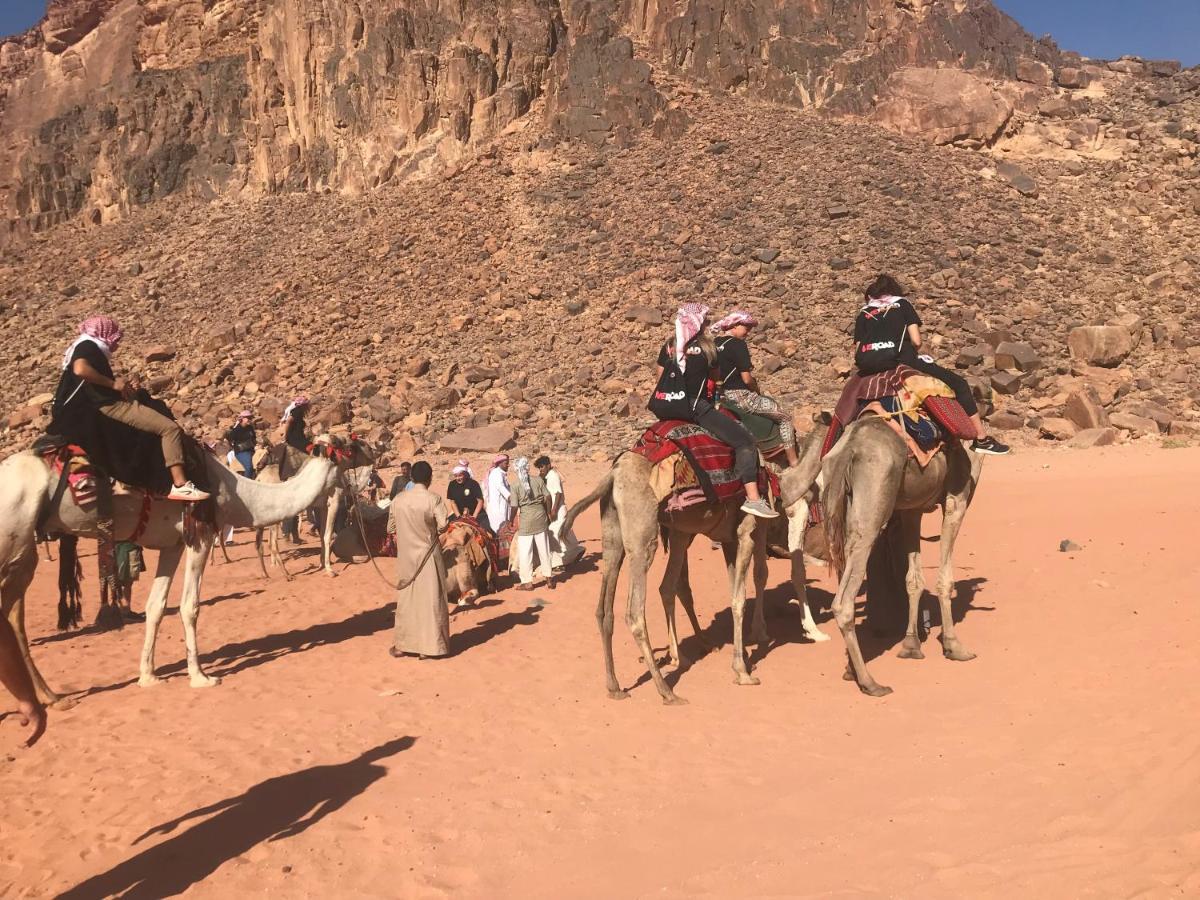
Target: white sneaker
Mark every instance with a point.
(759, 508)
(187, 493)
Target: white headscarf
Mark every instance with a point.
(522, 465)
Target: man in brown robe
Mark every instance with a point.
(416, 518)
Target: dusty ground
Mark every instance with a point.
(1064, 761)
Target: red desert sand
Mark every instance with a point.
(1063, 762)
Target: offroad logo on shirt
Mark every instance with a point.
(670, 395)
(878, 345)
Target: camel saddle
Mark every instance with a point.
(693, 466)
(919, 407)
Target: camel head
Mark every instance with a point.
(345, 453)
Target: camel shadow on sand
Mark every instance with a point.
(273, 810)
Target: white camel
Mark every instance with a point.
(328, 508)
(27, 488)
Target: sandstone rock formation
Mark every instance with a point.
(111, 104)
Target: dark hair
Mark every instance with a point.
(422, 473)
(406, 463)
(541, 461)
(884, 286)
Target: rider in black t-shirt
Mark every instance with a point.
(466, 496)
(738, 384)
(889, 317)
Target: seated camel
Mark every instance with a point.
(469, 572)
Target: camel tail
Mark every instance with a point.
(602, 490)
(70, 574)
(834, 498)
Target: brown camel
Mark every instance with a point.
(631, 518)
(869, 478)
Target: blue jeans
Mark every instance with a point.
(246, 458)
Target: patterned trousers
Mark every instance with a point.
(764, 406)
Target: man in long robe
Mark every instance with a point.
(417, 518)
(496, 494)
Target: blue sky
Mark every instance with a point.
(1168, 29)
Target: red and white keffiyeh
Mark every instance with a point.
(689, 322)
(102, 331)
(735, 318)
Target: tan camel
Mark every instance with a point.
(27, 488)
(630, 521)
(869, 478)
(327, 506)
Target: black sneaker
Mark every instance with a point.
(990, 446)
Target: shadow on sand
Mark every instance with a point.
(272, 810)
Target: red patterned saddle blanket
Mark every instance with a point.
(693, 465)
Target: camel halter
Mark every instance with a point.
(358, 520)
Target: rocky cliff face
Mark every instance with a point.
(111, 104)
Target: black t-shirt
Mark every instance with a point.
(733, 358)
(241, 437)
(74, 390)
(296, 436)
(696, 371)
(890, 323)
(464, 496)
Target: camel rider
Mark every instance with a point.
(687, 389)
(738, 384)
(887, 333)
(296, 431)
(88, 381)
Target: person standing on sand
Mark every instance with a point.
(15, 677)
(403, 481)
(497, 494)
(416, 518)
(565, 549)
(242, 440)
(532, 502)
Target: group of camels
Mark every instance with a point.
(866, 482)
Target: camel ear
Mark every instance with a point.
(824, 417)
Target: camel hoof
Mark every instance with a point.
(817, 636)
(331, 573)
(745, 678)
(674, 700)
(958, 654)
(848, 675)
(149, 681)
(907, 652)
(618, 695)
(62, 703)
(875, 690)
(204, 681)
(758, 639)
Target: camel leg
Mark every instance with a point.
(909, 523)
(857, 552)
(614, 554)
(189, 612)
(738, 561)
(641, 540)
(258, 549)
(797, 527)
(952, 519)
(156, 604)
(332, 508)
(677, 548)
(15, 583)
(688, 601)
(276, 533)
(758, 634)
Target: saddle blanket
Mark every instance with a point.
(916, 400)
(687, 458)
(482, 542)
(82, 477)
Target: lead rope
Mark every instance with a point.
(358, 520)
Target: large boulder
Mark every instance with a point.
(942, 105)
(1100, 345)
(1083, 407)
(488, 439)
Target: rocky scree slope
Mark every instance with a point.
(526, 291)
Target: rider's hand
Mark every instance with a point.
(33, 717)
